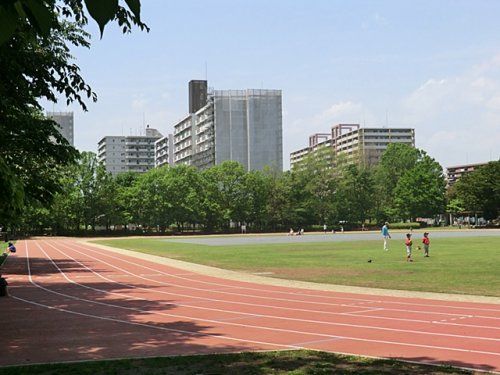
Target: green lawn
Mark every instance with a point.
(456, 265)
(273, 363)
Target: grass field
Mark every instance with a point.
(284, 362)
(456, 265)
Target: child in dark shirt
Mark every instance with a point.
(11, 248)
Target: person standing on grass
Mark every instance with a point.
(426, 243)
(386, 235)
(324, 228)
(408, 244)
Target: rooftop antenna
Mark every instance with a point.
(206, 71)
(143, 119)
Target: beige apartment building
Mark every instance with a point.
(363, 146)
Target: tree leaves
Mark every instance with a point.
(8, 22)
(479, 191)
(420, 192)
(14, 13)
(135, 7)
(44, 16)
(39, 15)
(102, 11)
(11, 199)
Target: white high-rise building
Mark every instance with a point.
(65, 120)
(239, 125)
(128, 153)
(164, 151)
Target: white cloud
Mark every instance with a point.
(299, 129)
(341, 110)
(139, 103)
(457, 119)
(373, 21)
(379, 19)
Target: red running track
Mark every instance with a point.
(72, 301)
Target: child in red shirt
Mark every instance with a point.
(426, 243)
(408, 244)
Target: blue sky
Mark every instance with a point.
(431, 65)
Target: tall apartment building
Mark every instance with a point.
(128, 153)
(240, 125)
(164, 151)
(65, 120)
(364, 146)
(183, 140)
(453, 174)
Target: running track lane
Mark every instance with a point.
(72, 301)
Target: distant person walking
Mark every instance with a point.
(324, 228)
(386, 235)
(427, 244)
(243, 229)
(408, 244)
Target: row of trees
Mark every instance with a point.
(406, 184)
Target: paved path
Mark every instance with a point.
(338, 237)
(73, 301)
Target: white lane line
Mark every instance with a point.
(366, 310)
(257, 296)
(106, 253)
(250, 326)
(154, 327)
(258, 315)
(210, 300)
(317, 341)
(206, 299)
(151, 274)
(129, 308)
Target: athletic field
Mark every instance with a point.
(73, 301)
(460, 262)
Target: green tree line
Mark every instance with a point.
(406, 184)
